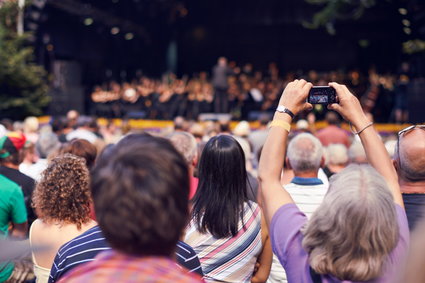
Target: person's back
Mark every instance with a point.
(229, 259)
(140, 194)
(227, 231)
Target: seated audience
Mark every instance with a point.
(62, 202)
(359, 233)
(223, 218)
(409, 161)
(140, 193)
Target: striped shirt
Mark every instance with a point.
(112, 266)
(88, 245)
(230, 259)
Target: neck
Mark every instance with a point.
(11, 165)
(412, 187)
(310, 174)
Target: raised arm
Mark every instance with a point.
(349, 107)
(273, 154)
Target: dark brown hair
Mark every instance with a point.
(140, 193)
(82, 148)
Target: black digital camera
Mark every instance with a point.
(322, 95)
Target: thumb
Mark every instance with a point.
(308, 106)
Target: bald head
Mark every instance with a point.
(410, 156)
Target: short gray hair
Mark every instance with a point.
(185, 143)
(356, 153)
(337, 154)
(353, 231)
(305, 153)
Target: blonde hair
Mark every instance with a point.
(355, 228)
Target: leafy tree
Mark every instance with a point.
(23, 87)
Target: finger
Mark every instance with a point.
(339, 89)
(346, 89)
(295, 82)
(302, 83)
(306, 88)
(308, 106)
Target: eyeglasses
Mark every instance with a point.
(405, 131)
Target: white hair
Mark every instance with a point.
(305, 153)
(337, 154)
(356, 153)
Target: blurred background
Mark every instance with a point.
(153, 59)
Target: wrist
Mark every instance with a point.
(360, 122)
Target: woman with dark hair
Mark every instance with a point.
(226, 230)
(359, 233)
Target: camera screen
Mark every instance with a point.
(318, 98)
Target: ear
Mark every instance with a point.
(396, 166)
(288, 164)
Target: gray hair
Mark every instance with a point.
(185, 143)
(337, 154)
(47, 142)
(353, 231)
(305, 153)
(356, 153)
(410, 167)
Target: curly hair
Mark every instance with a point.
(63, 193)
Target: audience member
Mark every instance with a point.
(258, 137)
(358, 233)
(82, 148)
(31, 129)
(304, 157)
(336, 159)
(13, 219)
(223, 218)
(140, 195)
(356, 153)
(185, 143)
(62, 203)
(333, 133)
(409, 161)
(10, 158)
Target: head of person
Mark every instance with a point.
(332, 118)
(221, 192)
(352, 232)
(409, 155)
(82, 148)
(337, 154)
(63, 193)
(185, 143)
(10, 149)
(30, 125)
(356, 153)
(140, 191)
(305, 154)
(47, 142)
(222, 61)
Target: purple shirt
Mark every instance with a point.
(286, 240)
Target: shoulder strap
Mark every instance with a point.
(315, 276)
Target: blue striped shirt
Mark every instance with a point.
(85, 248)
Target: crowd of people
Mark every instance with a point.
(243, 92)
(201, 202)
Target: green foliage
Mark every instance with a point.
(23, 87)
(337, 10)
